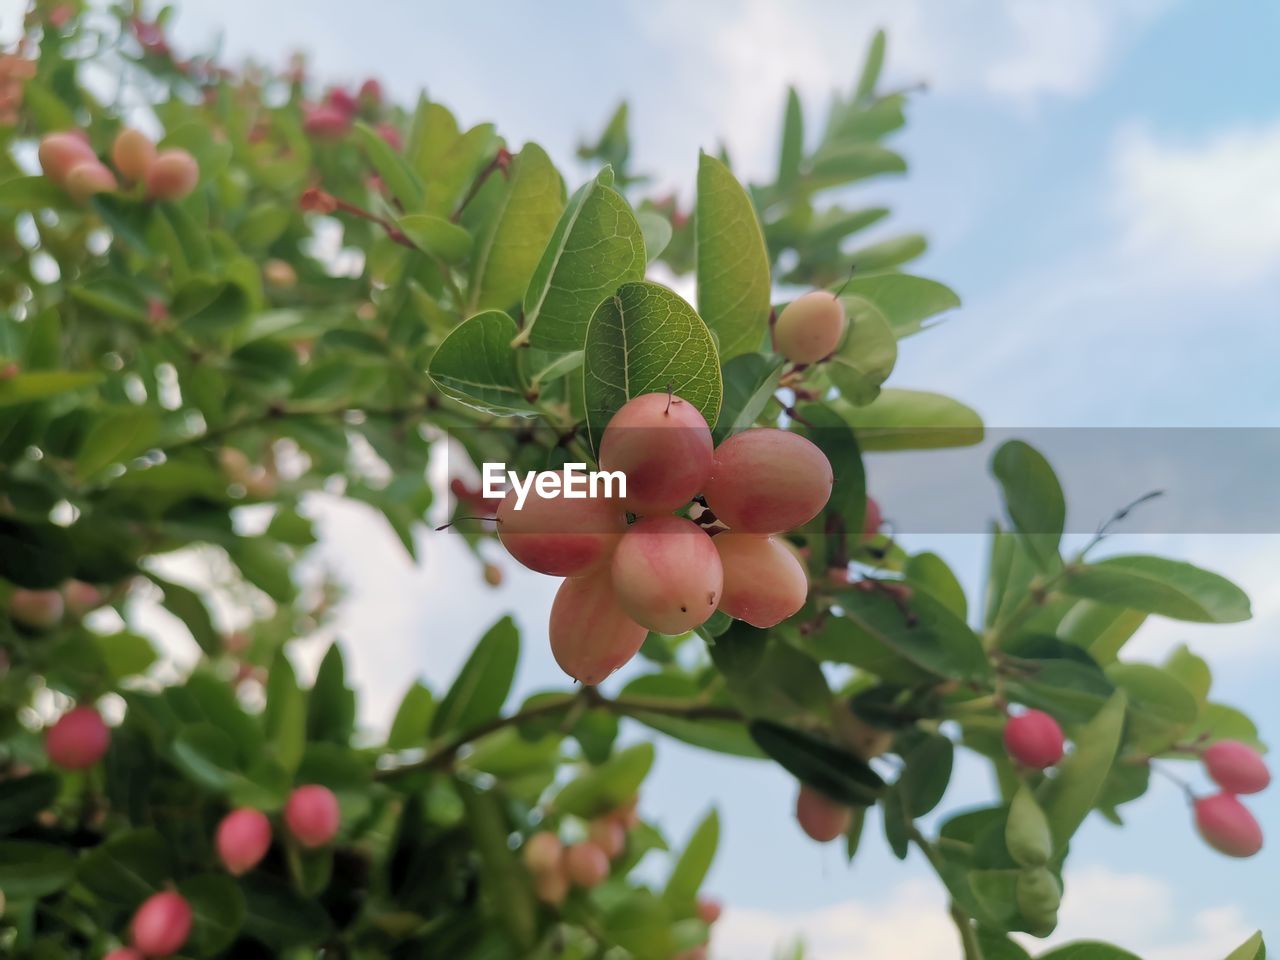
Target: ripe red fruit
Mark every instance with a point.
(371, 90)
(243, 839)
(36, 609)
(767, 481)
(1236, 767)
(709, 910)
(586, 864)
(390, 135)
(543, 853)
(87, 178)
(162, 924)
(342, 101)
(764, 583)
(77, 740)
(608, 834)
(667, 574)
(1034, 739)
(173, 174)
(59, 152)
(663, 445)
(810, 327)
(872, 519)
(557, 535)
(311, 814)
(591, 635)
(1227, 826)
(124, 953)
(325, 122)
(822, 818)
(132, 153)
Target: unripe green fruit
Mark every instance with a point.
(132, 152)
(764, 583)
(88, 178)
(663, 445)
(1039, 897)
(586, 864)
(559, 536)
(59, 152)
(162, 924)
(768, 481)
(667, 574)
(543, 853)
(36, 609)
(822, 818)
(1027, 833)
(811, 327)
(591, 635)
(173, 174)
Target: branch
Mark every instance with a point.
(963, 922)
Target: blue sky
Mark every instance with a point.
(1101, 182)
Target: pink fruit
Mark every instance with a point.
(342, 101)
(77, 740)
(543, 853)
(1236, 767)
(609, 835)
(767, 481)
(81, 597)
(810, 327)
(591, 635)
(325, 122)
(124, 953)
(822, 818)
(311, 814)
(88, 178)
(663, 445)
(667, 574)
(162, 924)
(1034, 739)
(586, 864)
(371, 90)
(36, 609)
(1227, 826)
(59, 152)
(764, 583)
(551, 887)
(243, 839)
(557, 535)
(709, 910)
(132, 152)
(172, 175)
(872, 519)
(390, 135)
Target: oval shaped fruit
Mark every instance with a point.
(822, 818)
(1034, 739)
(78, 739)
(88, 178)
(36, 609)
(543, 852)
(1027, 834)
(667, 574)
(663, 445)
(767, 481)
(173, 174)
(312, 816)
(132, 152)
(243, 839)
(1039, 896)
(1236, 767)
(557, 535)
(551, 887)
(609, 835)
(591, 635)
(1228, 826)
(764, 583)
(326, 122)
(162, 924)
(810, 327)
(709, 910)
(81, 598)
(872, 519)
(59, 152)
(586, 864)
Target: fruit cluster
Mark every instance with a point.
(661, 571)
(39, 610)
(68, 160)
(332, 118)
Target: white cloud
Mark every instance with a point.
(1135, 911)
(1208, 208)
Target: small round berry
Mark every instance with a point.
(609, 835)
(243, 839)
(59, 152)
(172, 175)
(78, 739)
(1236, 767)
(810, 327)
(1227, 825)
(36, 609)
(663, 445)
(162, 924)
(312, 816)
(132, 152)
(709, 910)
(822, 818)
(586, 864)
(768, 481)
(86, 179)
(1034, 739)
(543, 853)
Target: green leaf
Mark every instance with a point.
(507, 253)
(265, 564)
(1068, 797)
(412, 722)
(929, 635)
(280, 917)
(1170, 588)
(331, 707)
(926, 775)
(38, 556)
(646, 339)
(21, 798)
(791, 152)
(124, 654)
(691, 869)
(185, 604)
(1088, 950)
(888, 253)
(871, 68)
(32, 193)
(30, 870)
(1100, 629)
(285, 716)
(911, 420)
(1034, 500)
(840, 775)
(206, 308)
(607, 786)
(657, 232)
(392, 168)
(39, 384)
(1161, 708)
(867, 355)
(207, 755)
(723, 736)
(838, 164)
(114, 437)
(483, 682)
(218, 910)
(1251, 949)
(906, 302)
(437, 236)
(749, 383)
(505, 886)
(127, 868)
(931, 573)
(477, 365)
(1191, 671)
(732, 263)
(597, 246)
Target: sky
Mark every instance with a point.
(1100, 180)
